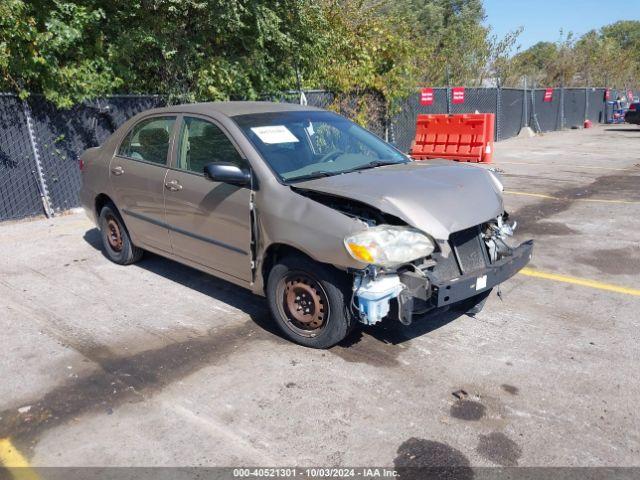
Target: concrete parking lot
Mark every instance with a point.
(157, 364)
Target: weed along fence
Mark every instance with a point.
(40, 144)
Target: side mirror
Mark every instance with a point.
(227, 173)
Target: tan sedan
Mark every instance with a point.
(331, 223)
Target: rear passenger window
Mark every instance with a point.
(149, 140)
(202, 142)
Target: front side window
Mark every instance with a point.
(303, 145)
(201, 142)
(149, 140)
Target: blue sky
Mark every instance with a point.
(543, 19)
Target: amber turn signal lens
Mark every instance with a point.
(360, 252)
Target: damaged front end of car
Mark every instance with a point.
(421, 244)
(410, 274)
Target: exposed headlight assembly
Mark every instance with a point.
(388, 245)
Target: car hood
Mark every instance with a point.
(437, 197)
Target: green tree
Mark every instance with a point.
(72, 50)
(362, 52)
(533, 63)
(602, 61)
(451, 44)
(606, 57)
(626, 34)
(53, 47)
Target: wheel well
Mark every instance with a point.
(274, 253)
(104, 199)
(277, 251)
(101, 201)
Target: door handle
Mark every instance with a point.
(117, 170)
(173, 185)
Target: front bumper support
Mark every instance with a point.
(467, 286)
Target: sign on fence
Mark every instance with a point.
(548, 95)
(457, 95)
(426, 97)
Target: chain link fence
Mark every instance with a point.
(19, 189)
(40, 144)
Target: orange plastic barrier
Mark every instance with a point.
(464, 138)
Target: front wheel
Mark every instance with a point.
(309, 301)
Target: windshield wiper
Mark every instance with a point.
(319, 174)
(312, 175)
(374, 164)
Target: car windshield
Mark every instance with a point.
(309, 144)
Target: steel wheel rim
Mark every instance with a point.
(303, 304)
(114, 234)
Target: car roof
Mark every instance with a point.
(233, 109)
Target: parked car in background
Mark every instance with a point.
(333, 225)
(632, 115)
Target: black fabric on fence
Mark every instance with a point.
(511, 116)
(547, 114)
(575, 107)
(19, 192)
(64, 134)
(595, 105)
(482, 100)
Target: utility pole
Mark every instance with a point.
(448, 89)
(303, 97)
(525, 104)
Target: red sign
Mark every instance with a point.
(630, 96)
(457, 95)
(548, 95)
(607, 94)
(426, 96)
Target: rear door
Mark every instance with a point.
(209, 222)
(137, 173)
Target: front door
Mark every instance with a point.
(137, 173)
(209, 222)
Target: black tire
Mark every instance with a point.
(116, 241)
(474, 305)
(327, 294)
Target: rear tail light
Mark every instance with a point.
(81, 164)
(633, 107)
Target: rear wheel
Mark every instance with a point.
(116, 241)
(309, 301)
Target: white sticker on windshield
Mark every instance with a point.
(310, 130)
(274, 134)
